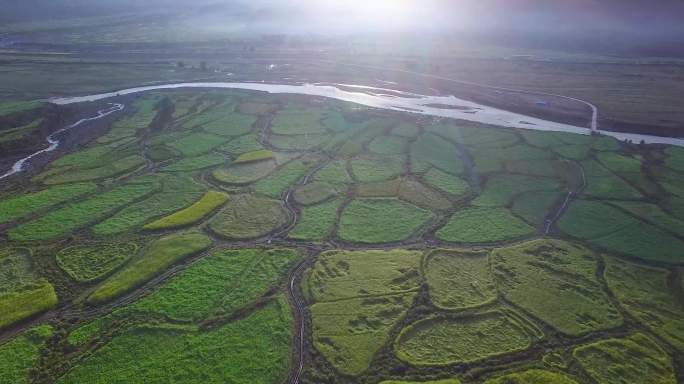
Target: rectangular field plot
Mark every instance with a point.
(89, 262)
(483, 225)
(499, 190)
(221, 283)
(17, 207)
(254, 349)
(556, 282)
(381, 220)
(78, 215)
(197, 144)
(316, 222)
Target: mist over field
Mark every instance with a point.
(629, 26)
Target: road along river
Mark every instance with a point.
(440, 106)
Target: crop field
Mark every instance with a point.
(633, 359)
(459, 279)
(438, 341)
(203, 236)
(483, 225)
(157, 257)
(380, 221)
(556, 282)
(94, 261)
(249, 217)
(192, 214)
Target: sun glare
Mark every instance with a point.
(373, 13)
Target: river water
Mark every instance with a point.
(384, 98)
(441, 106)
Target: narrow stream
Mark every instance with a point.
(53, 143)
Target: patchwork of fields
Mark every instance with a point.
(194, 239)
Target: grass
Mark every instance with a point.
(459, 279)
(197, 144)
(17, 207)
(314, 193)
(78, 215)
(604, 184)
(573, 152)
(275, 184)
(442, 340)
(177, 193)
(406, 129)
(256, 108)
(534, 207)
(342, 274)
(16, 306)
(316, 222)
(20, 354)
(145, 112)
(297, 120)
(652, 214)
(376, 168)
(675, 158)
(17, 133)
(632, 359)
(409, 190)
(500, 190)
(163, 356)
(116, 168)
(532, 376)
(300, 142)
(192, 214)
(262, 154)
(236, 124)
(432, 150)
(334, 173)
(446, 182)
(483, 225)
(240, 145)
(358, 297)
(609, 228)
(446, 381)
(556, 282)
(388, 145)
(496, 159)
(93, 156)
(645, 293)
(85, 263)
(249, 217)
(195, 163)
(244, 173)
(9, 107)
(86, 332)
(222, 283)
(380, 221)
(157, 257)
(22, 293)
(482, 137)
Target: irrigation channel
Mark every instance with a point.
(382, 98)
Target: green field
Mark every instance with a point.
(556, 282)
(201, 236)
(443, 340)
(483, 225)
(154, 259)
(192, 214)
(380, 221)
(19, 355)
(633, 359)
(94, 261)
(249, 217)
(459, 279)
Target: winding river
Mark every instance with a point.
(440, 106)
